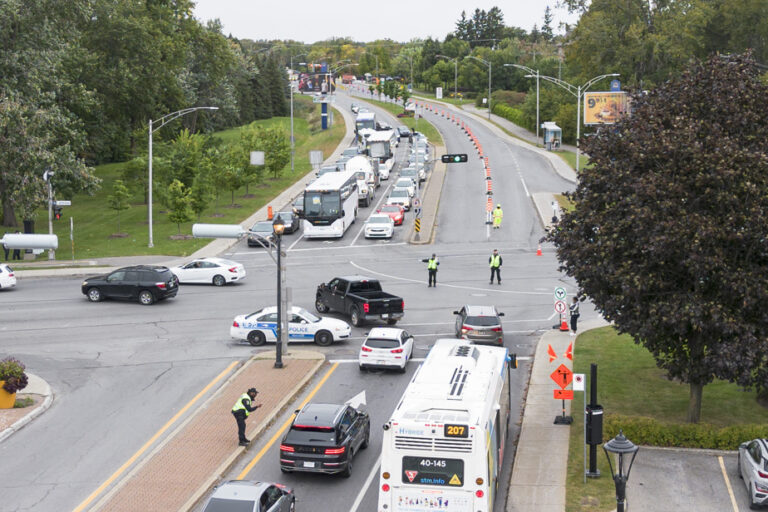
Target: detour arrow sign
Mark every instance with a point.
(562, 376)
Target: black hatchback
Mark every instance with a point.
(145, 283)
(324, 438)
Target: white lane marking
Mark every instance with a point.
(294, 243)
(421, 281)
(503, 322)
(366, 485)
(318, 249)
(528, 194)
(728, 484)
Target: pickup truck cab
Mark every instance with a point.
(360, 298)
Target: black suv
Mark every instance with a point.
(147, 283)
(324, 438)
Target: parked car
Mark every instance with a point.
(216, 271)
(379, 225)
(7, 278)
(386, 347)
(359, 297)
(395, 212)
(145, 283)
(401, 197)
(324, 438)
(261, 327)
(250, 496)
(291, 221)
(479, 324)
(261, 234)
(298, 205)
(753, 469)
(408, 184)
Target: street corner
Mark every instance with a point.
(37, 395)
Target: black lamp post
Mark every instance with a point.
(621, 447)
(278, 227)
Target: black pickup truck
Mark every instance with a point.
(359, 297)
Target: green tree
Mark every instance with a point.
(546, 28)
(276, 147)
(201, 193)
(668, 234)
(179, 204)
(118, 200)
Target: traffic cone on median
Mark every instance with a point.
(538, 251)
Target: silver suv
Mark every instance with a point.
(480, 324)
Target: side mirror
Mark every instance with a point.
(455, 312)
(343, 214)
(501, 314)
(297, 411)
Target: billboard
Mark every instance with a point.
(604, 107)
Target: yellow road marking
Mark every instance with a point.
(149, 443)
(728, 484)
(285, 425)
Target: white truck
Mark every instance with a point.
(380, 146)
(366, 178)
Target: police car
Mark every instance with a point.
(261, 327)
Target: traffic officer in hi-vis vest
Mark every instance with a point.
(432, 264)
(495, 263)
(498, 214)
(241, 410)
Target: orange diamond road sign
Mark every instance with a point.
(562, 376)
(563, 394)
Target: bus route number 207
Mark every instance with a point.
(456, 431)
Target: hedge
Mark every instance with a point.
(510, 114)
(651, 432)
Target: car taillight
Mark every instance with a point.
(397, 351)
(385, 487)
(160, 285)
(496, 329)
(402, 305)
(10, 274)
(762, 475)
(366, 307)
(235, 324)
(335, 451)
(479, 493)
(465, 329)
(286, 448)
(366, 349)
(233, 270)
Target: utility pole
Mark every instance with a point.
(47, 178)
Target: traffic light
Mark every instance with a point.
(57, 212)
(454, 159)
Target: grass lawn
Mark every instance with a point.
(624, 368)
(565, 204)
(94, 222)
(422, 125)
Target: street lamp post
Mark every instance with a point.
(293, 139)
(577, 91)
(487, 63)
(533, 74)
(152, 129)
(455, 73)
(278, 227)
(621, 448)
(47, 178)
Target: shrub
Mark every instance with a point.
(510, 114)
(510, 98)
(648, 431)
(12, 372)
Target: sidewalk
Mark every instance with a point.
(11, 420)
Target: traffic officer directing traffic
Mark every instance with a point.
(241, 410)
(495, 263)
(432, 264)
(498, 214)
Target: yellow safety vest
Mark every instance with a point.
(239, 404)
(432, 264)
(498, 213)
(495, 260)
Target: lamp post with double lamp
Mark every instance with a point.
(621, 448)
(533, 74)
(487, 63)
(293, 139)
(577, 91)
(153, 127)
(455, 73)
(237, 231)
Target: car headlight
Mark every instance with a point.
(363, 190)
(84, 283)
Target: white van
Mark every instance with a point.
(366, 178)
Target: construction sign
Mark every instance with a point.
(563, 394)
(562, 376)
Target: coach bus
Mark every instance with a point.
(330, 205)
(445, 442)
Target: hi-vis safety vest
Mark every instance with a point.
(495, 260)
(432, 264)
(239, 404)
(497, 213)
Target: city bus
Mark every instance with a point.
(330, 205)
(445, 442)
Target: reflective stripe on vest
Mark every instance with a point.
(432, 264)
(495, 260)
(239, 405)
(498, 213)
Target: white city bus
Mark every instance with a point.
(445, 442)
(330, 205)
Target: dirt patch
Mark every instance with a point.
(118, 235)
(181, 237)
(10, 416)
(232, 206)
(249, 196)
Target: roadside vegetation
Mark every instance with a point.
(421, 125)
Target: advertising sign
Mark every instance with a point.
(604, 107)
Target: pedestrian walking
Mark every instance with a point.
(574, 315)
(498, 214)
(242, 408)
(432, 264)
(17, 252)
(495, 263)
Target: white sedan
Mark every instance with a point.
(216, 271)
(386, 347)
(408, 184)
(7, 279)
(261, 327)
(400, 196)
(379, 225)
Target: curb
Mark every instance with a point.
(37, 411)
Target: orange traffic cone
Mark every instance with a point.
(538, 251)
(563, 325)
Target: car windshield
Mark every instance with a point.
(404, 183)
(287, 217)
(399, 192)
(225, 505)
(309, 316)
(382, 343)
(482, 321)
(262, 227)
(379, 220)
(390, 209)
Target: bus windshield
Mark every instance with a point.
(322, 205)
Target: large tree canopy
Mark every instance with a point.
(669, 236)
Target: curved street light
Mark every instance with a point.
(455, 73)
(533, 74)
(163, 121)
(487, 63)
